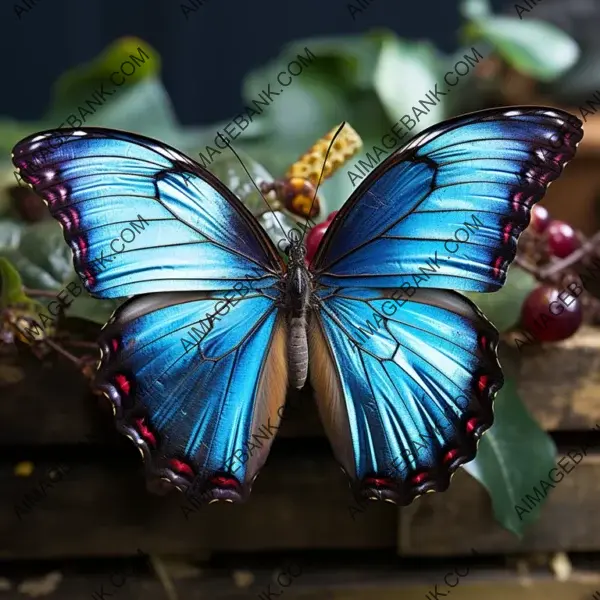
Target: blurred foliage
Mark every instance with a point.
(370, 81)
(581, 20)
(527, 44)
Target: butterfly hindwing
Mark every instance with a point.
(445, 211)
(197, 381)
(404, 387)
(141, 217)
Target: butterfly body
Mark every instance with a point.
(404, 368)
(298, 294)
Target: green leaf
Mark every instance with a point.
(78, 85)
(475, 9)
(44, 245)
(92, 309)
(405, 72)
(10, 233)
(39, 253)
(351, 59)
(533, 47)
(11, 286)
(146, 109)
(512, 458)
(503, 308)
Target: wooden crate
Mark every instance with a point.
(301, 500)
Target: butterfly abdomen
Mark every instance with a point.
(298, 352)
(298, 294)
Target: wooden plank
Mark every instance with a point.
(313, 583)
(462, 518)
(560, 383)
(102, 508)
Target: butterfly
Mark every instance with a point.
(198, 360)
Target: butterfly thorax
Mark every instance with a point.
(297, 291)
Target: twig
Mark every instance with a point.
(573, 258)
(44, 293)
(62, 351)
(526, 266)
(77, 344)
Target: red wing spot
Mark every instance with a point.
(115, 344)
(482, 383)
(378, 482)
(75, 216)
(145, 432)
(417, 479)
(222, 482)
(497, 264)
(123, 383)
(50, 197)
(450, 455)
(64, 220)
(181, 467)
(471, 425)
(82, 245)
(91, 280)
(518, 201)
(507, 231)
(483, 342)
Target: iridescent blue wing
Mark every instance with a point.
(140, 216)
(405, 375)
(404, 387)
(197, 376)
(446, 210)
(197, 381)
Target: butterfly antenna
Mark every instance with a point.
(254, 183)
(321, 176)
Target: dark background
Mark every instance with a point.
(204, 57)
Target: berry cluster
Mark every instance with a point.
(552, 251)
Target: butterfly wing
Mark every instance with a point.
(405, 375)
(196, 376)
(404, 387)
(446, 210)
(140, 216)
(201, 397)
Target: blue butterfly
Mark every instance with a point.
(197, 363)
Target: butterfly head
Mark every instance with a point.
(295, 250)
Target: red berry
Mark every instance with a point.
(562, 239)
(313, 239)
(551, 314)
(331, 217)
(540, 219)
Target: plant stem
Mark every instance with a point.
(44, 293)
(62, 351)
(77, 344)
(526, 266)
(574, 257)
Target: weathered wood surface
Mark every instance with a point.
(460, 519)
(316, 582)
(101, 508)
(560, 383)
(300, 501)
